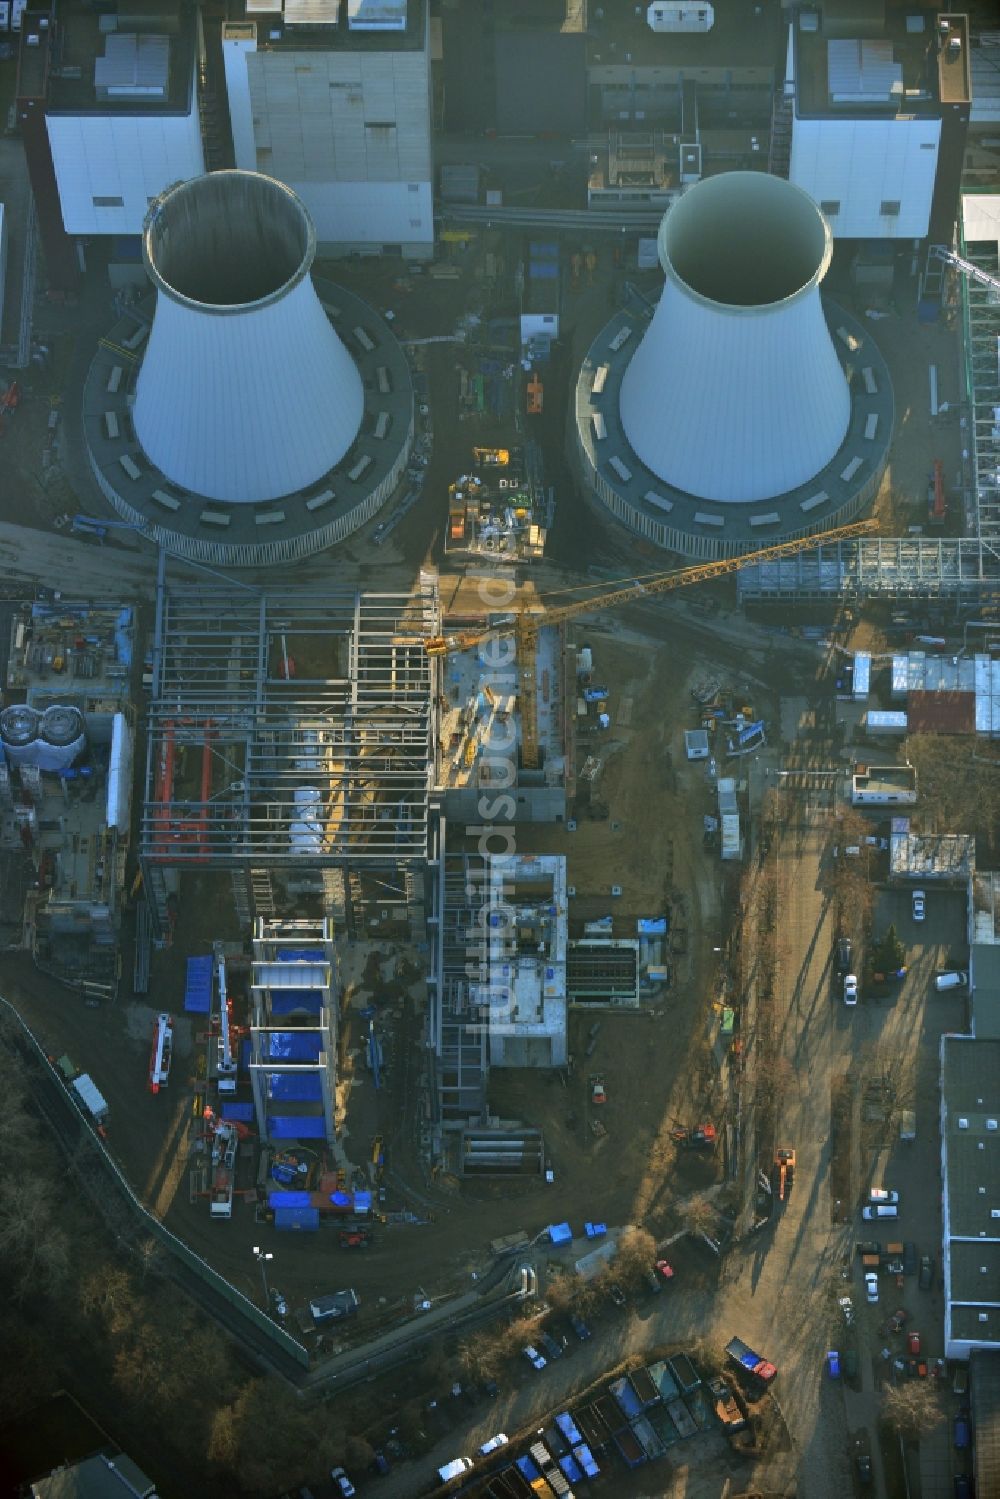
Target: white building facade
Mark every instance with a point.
(345, 120)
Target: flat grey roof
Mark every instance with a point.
(970, 1089)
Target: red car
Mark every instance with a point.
(667, 1271)
(913, 1342)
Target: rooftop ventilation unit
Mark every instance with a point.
(678, 15)
(736, 392)
(245, 392)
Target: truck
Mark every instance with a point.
(742, 1354)
(83, 1091)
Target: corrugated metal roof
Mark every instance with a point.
(941, 712)
(134, 66)
(985, 1387)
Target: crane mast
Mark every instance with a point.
(525, 625)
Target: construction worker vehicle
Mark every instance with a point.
(784, 1170)
(701, 1137)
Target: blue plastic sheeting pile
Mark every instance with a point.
(198, 988)
(294, 1046)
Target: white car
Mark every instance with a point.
(850, 989)
(871, 1286)
(344, 1484)
(535, 1359)
(919, 905)
(882, 1194)
(494, 1443)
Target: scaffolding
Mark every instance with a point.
(293, 1030)
(965, 570)
(981, 330)
(290, 733)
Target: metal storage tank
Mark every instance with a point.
(61, 737)
(736, 392)
(245, 393)
(19, 729)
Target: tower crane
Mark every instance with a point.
(525, 625)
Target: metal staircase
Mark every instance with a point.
(779, 154)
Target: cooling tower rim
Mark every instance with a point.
(191, 187)
(736, 309)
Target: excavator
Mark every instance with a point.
(525, 625)
(784, 1166)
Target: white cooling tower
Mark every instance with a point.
(245, 392)
(735, 392)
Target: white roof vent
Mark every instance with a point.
(991, 1124)
(983, 1270)
(679, 15)
(984, 1317)
(995, 1212)
(963, 1124)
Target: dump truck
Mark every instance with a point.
(754, 1363)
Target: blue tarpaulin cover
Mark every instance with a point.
(289, 1200)
(362, 1202)
(341, 1199)
(289, 1086)
(652, 926)
(300, 1127)
(294, 1046)
(240, 1111)
(296, 955)
(198, 989)
(245, 1053)
(286, 1001)
(560, 1233)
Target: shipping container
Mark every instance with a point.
(684, 1372)
(626, 1397)
(630, 1447)
(651, 1444)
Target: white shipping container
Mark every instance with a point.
(862, 675)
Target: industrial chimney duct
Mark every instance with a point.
(736, 392)
(228, 241)
(246, 393)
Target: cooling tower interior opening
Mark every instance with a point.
(745, 239)
(228, 239)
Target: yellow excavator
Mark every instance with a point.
(525, 625)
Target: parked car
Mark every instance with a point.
(913, 1342)
(882, 1194)
(616, 1293)
(868, 1246)
(926, 1272)
(955, 979)
(494, 1443)
(579, 1327)
(833, 1363)
(550, 1347)
(344, 1484)
(844, 954)
(879, 1210)
(919, 905)
(909, 1258)
(533, 1356)
(664, 1269)
(962, 1435)
(871, 1286)
(963, 1486)
(850, 989)
(454, 1469)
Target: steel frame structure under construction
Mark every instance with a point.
(965, 570)
(290, 731)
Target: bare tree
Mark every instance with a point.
(912, 1409)
(698, 1215)
(636, 1253)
